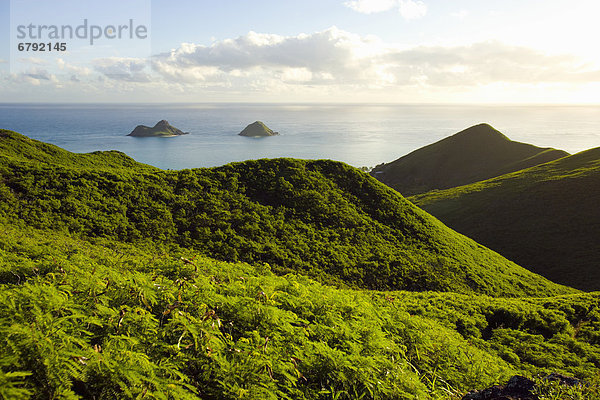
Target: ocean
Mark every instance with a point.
(360, 135)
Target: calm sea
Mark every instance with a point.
(361, 135)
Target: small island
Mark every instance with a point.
(257, 129)
(161, 129)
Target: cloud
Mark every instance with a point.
(484, 63)
(34, 76)
(371, 6)
(335, 57)
(33, 60)
(78, 70)
(409, 9)
(41, 74)
(318, 65)
(462, 14)
(327, 56)
(123, 69)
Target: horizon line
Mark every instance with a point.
(446, 104)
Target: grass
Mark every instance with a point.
(320, 218)
(103, 319)
(544, 218)
(269, 279)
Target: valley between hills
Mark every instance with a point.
(298, 279)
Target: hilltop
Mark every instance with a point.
(474, 154)
(545, 218)
(17, 148)
(321, 218)
(161, 129)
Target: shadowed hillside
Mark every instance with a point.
(477, 153)
(321, 218)
(546, 218)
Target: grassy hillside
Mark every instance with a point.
(320, 218)
(477, 153)
(102, 319)
(15, 147)
(545, 218)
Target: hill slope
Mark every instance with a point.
(477, 153)
(545, 218)
(320, 218)
(109, 320)
(15, 147)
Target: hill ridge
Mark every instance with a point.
(21, 148)
(473, 154)
(321, 218)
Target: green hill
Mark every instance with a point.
(545, 218)
(15, 148)
(475, 154)
(102, 320)
(106, 290)
(320, 218)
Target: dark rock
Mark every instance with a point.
(517, 388)
(161, 129)
(564, 380)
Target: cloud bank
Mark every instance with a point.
(336, 57)
(316, 64)
(408, 9)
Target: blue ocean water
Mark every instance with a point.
(361, 135)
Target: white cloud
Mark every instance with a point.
(318, 66)
(78, 70)
(412, 9)
(486, 62)
(123, 69)
(331, 56)
(371, 6)
(34, 76)
(409, 9)
(33, 60)
(462, 14)
(337, 58)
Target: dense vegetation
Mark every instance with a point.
(477, 153)
(104, 320)
(106, 291)
(545, 218)
(321, 218)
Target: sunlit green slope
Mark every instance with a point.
(15, 147)
(320, 218)
(107, 320)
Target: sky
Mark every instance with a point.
(360, 51)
